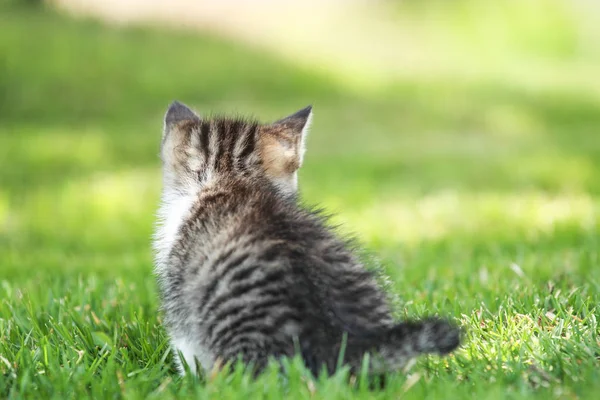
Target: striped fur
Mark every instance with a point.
(245, 272)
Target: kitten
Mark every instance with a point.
(246, 273)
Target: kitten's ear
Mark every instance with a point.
(282, 148)
(297, 123)
(175, 130)
(177, 113)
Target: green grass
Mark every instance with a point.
(480, 198)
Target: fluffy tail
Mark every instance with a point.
(391, 349)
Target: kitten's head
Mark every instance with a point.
(196, 151)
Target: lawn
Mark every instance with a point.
(479, 198)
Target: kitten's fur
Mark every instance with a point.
(244, 271)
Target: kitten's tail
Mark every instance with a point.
(391, 349)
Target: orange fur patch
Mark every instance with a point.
(279, 152)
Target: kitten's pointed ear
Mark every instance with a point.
(282, 148)
(177, 113)
(297, 123)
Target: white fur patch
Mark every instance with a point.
(174, 208)
(191, 351)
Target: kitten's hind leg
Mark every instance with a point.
(253, 354)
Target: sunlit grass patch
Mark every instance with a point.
(559, 326)
(411, 220)
(106, 204)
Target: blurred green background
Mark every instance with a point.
(460, 140)
(491, 130)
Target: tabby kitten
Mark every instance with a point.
(246, 273)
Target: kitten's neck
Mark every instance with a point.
(177, 204)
